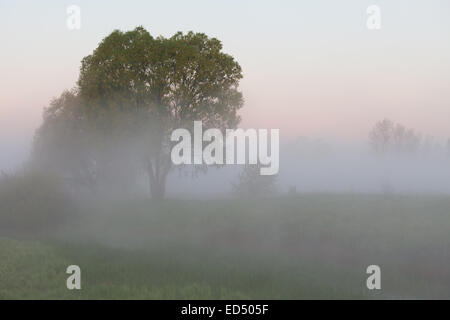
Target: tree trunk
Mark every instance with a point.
(157, 175)
(157, 188)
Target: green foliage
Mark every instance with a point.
(179, 79)
(30, 270)
(63, 143)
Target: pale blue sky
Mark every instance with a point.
(310, 67)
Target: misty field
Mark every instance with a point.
(299, 247)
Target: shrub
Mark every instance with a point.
(32, 202)
(252, 184)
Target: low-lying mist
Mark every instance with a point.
(311, 166)
(306, 166)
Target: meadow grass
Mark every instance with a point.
(309, 246)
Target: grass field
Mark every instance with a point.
(309, 246)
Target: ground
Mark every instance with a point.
(307, 246)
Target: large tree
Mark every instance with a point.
(139, 87)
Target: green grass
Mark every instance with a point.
(37, 271)
(312, 246)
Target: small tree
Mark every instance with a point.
(386, 137)
(252, 184)
(380, 136)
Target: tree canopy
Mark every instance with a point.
(135, 87)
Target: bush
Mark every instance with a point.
(32, 202)
(252, 184)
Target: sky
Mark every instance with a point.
(311, 68)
